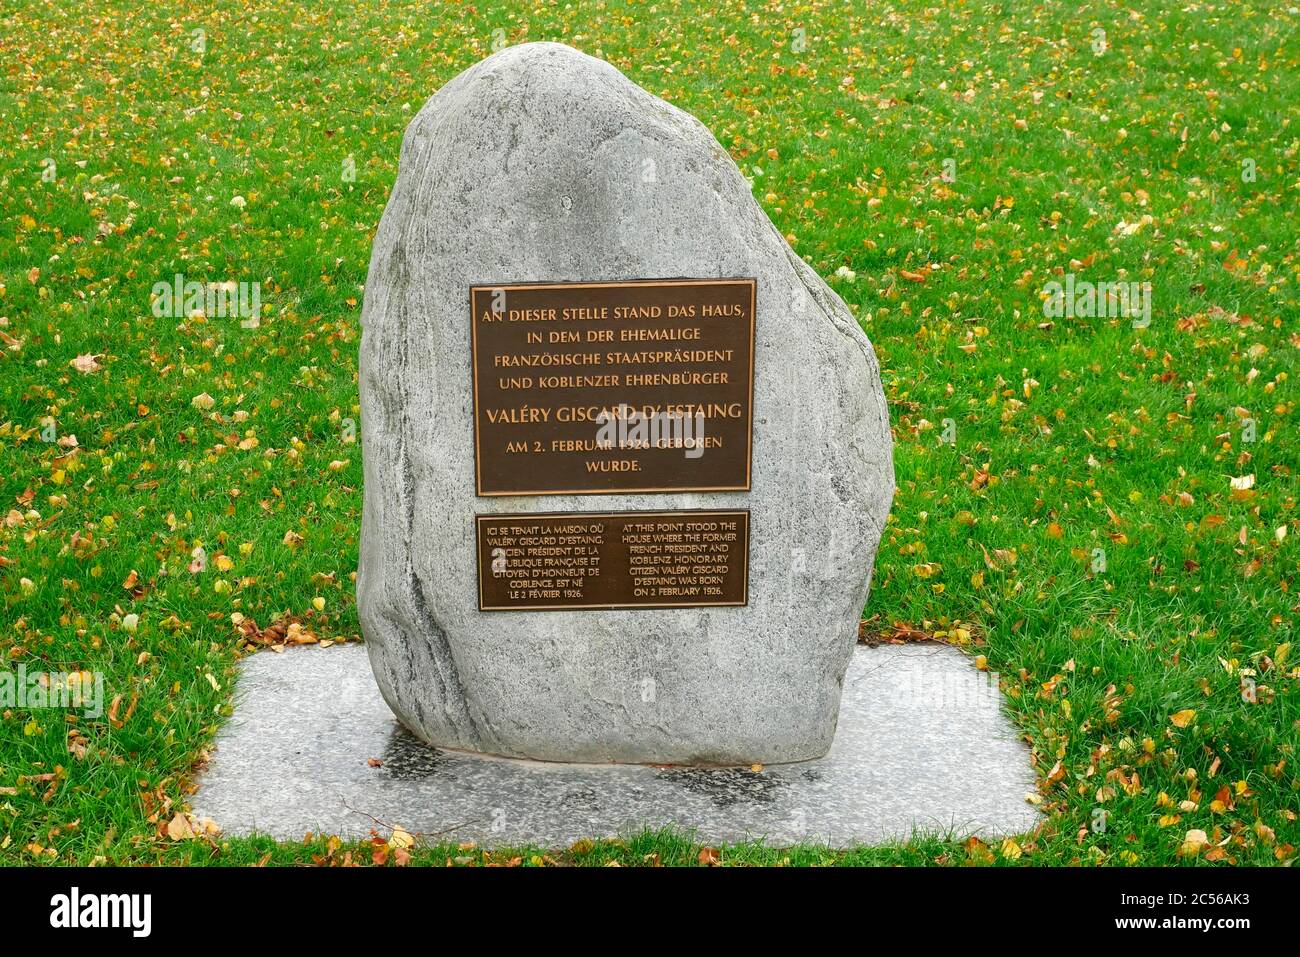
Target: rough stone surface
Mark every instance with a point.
(529, 167)
(923, 746)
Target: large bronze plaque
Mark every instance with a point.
(590, 388)
(590, 560)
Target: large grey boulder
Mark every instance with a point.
(531, 167)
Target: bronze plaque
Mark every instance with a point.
(588, 560)
(590, 388)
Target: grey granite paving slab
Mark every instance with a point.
(922, 745)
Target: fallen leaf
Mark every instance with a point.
(180, 829)
(86, 364)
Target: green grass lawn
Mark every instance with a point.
(1080, 530)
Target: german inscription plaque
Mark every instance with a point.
(590, 388)
(591, 560)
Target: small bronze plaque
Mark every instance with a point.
(590, 388)
(577, 560)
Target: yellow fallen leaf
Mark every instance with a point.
(1193, 841)
(1183, 718)
(179, 828)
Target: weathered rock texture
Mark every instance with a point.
(531, 167)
